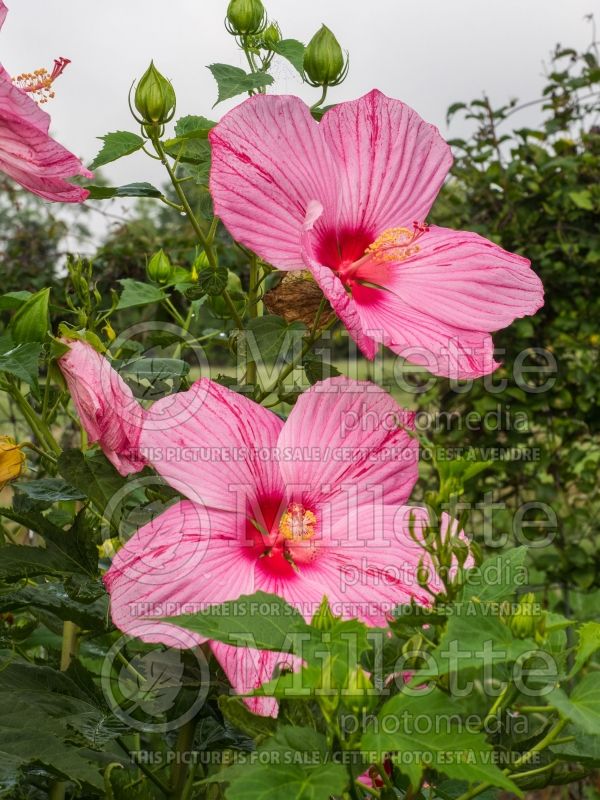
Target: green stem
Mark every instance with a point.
(69, 647)
(36, 425)
(531, 773)
(287, 370)
(143, 768)
(173, 312)
(541, 745)
(38, 450)
(183, 746)
(252, 312)
(70, 644)
(202, 238)
(524, 759)
(493, 712)
(321, 99)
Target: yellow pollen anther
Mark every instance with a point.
(39, 82)
(297, 523)
(396, 244)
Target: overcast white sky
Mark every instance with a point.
(428, 54)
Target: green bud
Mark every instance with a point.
(160, 269)
(524, 621)
(31, 323)
(155, 97)
(323, 619)
(324, 62)
(358, 691)
(423, 573)
(245, 17)
(272, 36)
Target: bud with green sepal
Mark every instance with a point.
(324, 61)
(245, 17)
(323, 618)
(159, 268)
(154, 99)
(271, 36)
(524, 621)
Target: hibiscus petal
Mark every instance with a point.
(357, 431)
(28, 154)
(393, 163)
(108, 411)
(247, 668)
(213, 445)
(268, 161)
(183, 560)
(341, 301)
(439, 304)
(377, 570)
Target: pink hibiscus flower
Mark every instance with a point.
(109, 413)
(347, 198)
(28, 154)
(302, 508)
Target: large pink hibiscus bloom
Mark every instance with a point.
(347, 198)
(310, 507)
(28, 154)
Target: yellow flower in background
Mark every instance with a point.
(12, 460)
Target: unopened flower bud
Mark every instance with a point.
(245, 17)
(423, 574)
(324, 62)
(323, 618)
(109, 332)
(199, 264)
(12, 460)
(358, 692)
(272, 36)
(524, 621)
(160, 269)
(155, 97)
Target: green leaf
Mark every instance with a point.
(31, 321)
(232, 81)
(582, 199)
(316, 369)
(588, 643)
(22, 362)
(136, 293)
(191, 141)
(263, 621)
(12, 300)
(53, 598)
(584, 749)
(129, 190)
(461, 646)
(51, 490)
(497, 578)
(295, 763)
(447, 746)
(92, 474)
(293, 51)
(270, 336)
(193, 127)
(583, 706)
(116, 145)
(213, 281)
